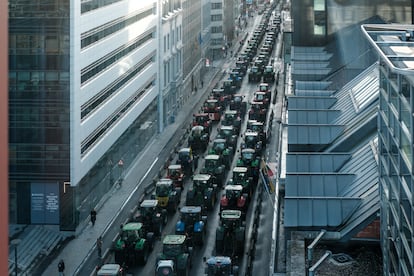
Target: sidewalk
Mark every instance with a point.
(83, 245)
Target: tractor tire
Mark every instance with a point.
(145, 256)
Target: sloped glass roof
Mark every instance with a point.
(366, 90)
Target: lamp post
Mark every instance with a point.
(15, 242)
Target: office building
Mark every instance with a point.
(4, 251)
(394, 44)
(83, 101)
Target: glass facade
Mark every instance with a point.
(395, 132)
(38, 99)
(106, 171)
(41, 115)
(318, 21)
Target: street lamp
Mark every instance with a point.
(15, 242)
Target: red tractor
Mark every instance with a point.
(202, 119)
(213, 108)
(175, 173)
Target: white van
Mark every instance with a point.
(110, 270)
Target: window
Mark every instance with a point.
(216, 17)
(216, 6)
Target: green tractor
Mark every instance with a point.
(167, 194)
(152, 216)
(175, 258)
(214, 166)
(220, 147)
(221, 265)
(203, 192)
(230, 234)
(254, 74)
(241, 177)
(133, 245)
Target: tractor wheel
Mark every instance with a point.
(144, 258)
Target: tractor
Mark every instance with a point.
(232, 118)
(268, 74)
(203, 192)
(187, 160)
(220, 265)
(167, 195)
(214, 166)
(251, 159)
(213, 108)
(222, 96)
(202, 119)
(236, 78)
(229, 87)
(253, 140)
(230, 234)
(241, 177)
(234, 199)
(175, 173)
(152, 216)
(220, 147)
(230, 134)
(239, 104)
(254, 74)
(198, 139)
(259, 127)
(192, 224)
(262, 97)
(257, 111)
(133, 245)
(175, 258)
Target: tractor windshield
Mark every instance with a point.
(218, 270)
(162, 190)
(172, 249)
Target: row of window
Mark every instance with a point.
(216, 29)
(175, 61)
(175, 37)
(117, 115)
(112, 88)
(90, 5)
(216, 17)
(170, 6)
(106, 61)
(216, 6)
(118, 24)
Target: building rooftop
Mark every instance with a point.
(395, 44)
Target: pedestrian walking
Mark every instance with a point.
(61, 267)
(93, 217)
(99, 246)
(202, 83)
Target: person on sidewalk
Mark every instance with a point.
(61, 267)
(99, 246)
(93, 217)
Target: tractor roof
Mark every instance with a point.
(132, 226)
(219, 260)
(185, 150)
(250, 133)
(230, 214)
(174, 239)
(148, 203)
(248, 150)
(231, 112)
(234, 187)
(212, 157)
(240, 169)
(219, 140)
(164, 181)
(190, 209)
(174, 167)
(201, 177)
